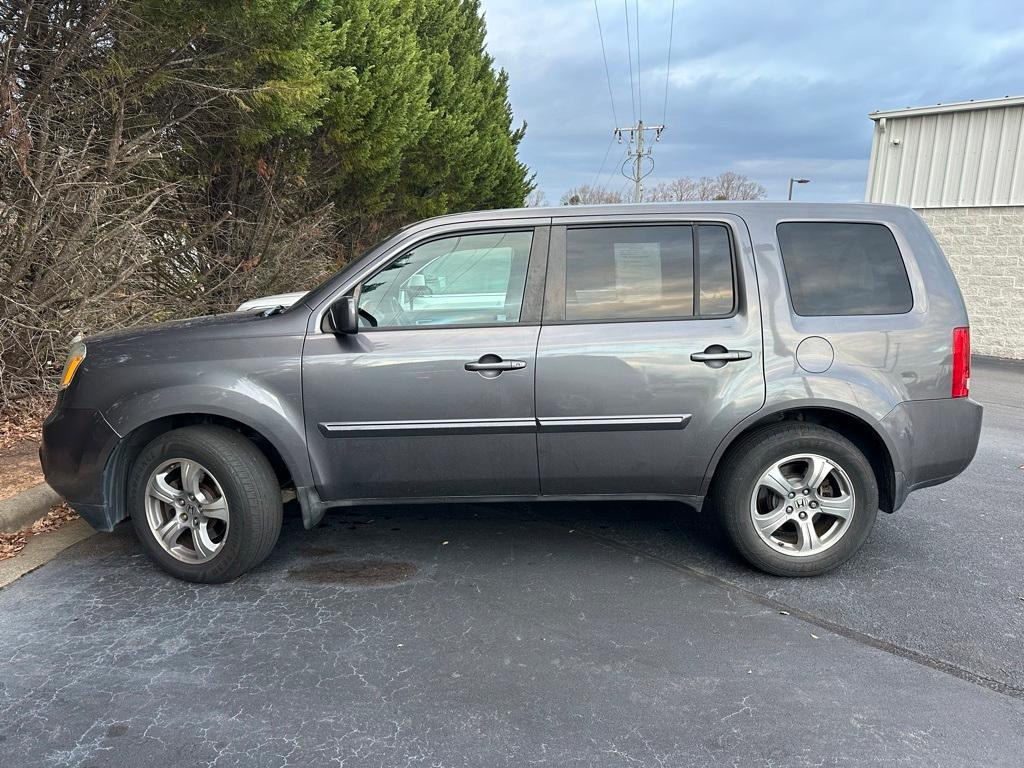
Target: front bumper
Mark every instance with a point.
(76, 447)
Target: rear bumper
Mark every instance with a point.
(74, 453)
(936, 441)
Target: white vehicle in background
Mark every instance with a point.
(283, 300)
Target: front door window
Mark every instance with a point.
(473, 279)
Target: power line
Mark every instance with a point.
(606, 177)
(604, 55)
(639, 158)
(639, 69)
(607, 152)
(613, 170)
(629, 55)
(668, 65)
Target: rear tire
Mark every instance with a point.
(205, 503)
(796, 499)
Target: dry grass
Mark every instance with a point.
(12, 543)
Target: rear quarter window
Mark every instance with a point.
(844, 268)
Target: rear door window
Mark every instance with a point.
(647, 272)
(844, 268)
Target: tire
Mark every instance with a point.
(808, 541)
(235, 519)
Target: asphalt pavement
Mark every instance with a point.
(562, 634)
(942, 580)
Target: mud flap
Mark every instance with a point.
(312, 507)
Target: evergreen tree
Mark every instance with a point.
(467, 160)
(168, 157)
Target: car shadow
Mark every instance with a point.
(396, 533)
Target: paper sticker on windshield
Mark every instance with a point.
(637, 270)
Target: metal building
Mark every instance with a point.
(961, 166)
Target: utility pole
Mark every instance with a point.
(638, 154)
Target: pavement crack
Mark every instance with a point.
(910, 654)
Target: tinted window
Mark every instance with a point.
(844, 269)
(474, 279)
(644, 273)
(715, 271)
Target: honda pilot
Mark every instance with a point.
(789, 368)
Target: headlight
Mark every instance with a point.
(75, 357)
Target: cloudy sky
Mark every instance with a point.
(769, 89)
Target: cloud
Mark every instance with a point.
(767, 89)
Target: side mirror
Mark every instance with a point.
(343, 315)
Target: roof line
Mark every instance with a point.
(954, 106)
(628, 209)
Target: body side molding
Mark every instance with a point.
(501, 426)
(613, 423)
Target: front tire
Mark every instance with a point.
(205, 503)
(796, 499)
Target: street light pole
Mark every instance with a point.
(796, 181)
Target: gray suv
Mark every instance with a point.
(794, 368)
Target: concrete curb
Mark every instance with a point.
(23, 509)
(997, 362)
(42, 549)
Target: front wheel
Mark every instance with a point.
(797, 499)
(205, 503)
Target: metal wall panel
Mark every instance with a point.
(947, 159)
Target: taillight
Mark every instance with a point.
(961, 362)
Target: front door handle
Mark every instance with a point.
(490, 366)
(716, 356)
(504, 365)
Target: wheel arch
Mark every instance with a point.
(115, 480)
(859, 428)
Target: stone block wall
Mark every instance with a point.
(985, 247)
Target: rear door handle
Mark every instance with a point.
(728, 356)
(490, 366)
(716, 356)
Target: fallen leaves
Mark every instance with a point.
(20, 428)
(54, 519)
(12, 543)
(24, 422)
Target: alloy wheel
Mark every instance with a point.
(187, 510)
(802, 505)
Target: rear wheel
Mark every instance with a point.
(797, 499)
(205, 503)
